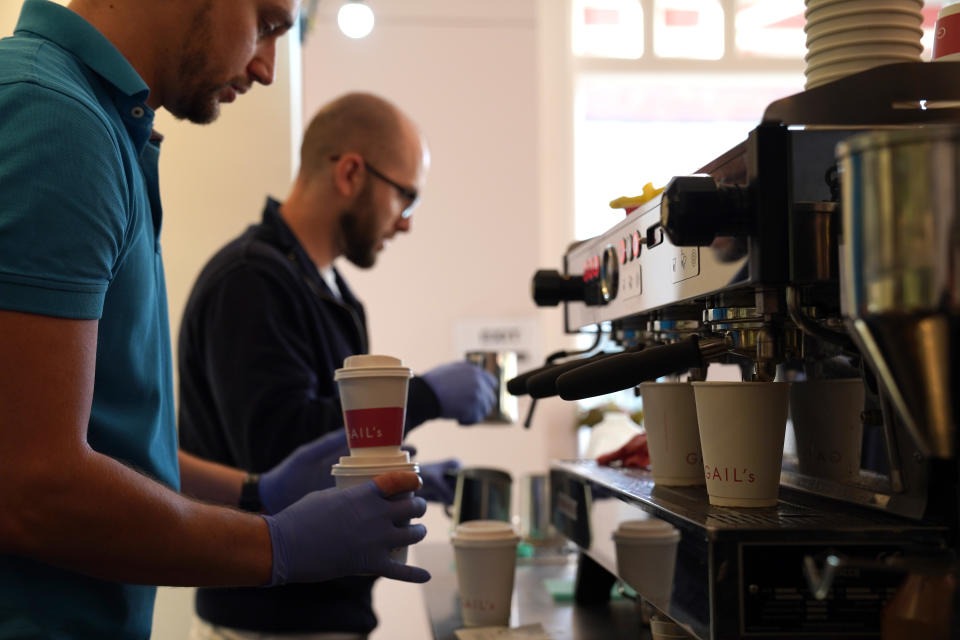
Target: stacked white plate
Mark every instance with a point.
(848, 36)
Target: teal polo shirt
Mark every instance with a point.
(79, 238)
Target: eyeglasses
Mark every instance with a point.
(408, 193)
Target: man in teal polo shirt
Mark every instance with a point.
(89, 510)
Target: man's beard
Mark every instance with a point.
(196, 98)
(359, 238)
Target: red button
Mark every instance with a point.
(636, 244)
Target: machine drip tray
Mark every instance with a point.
(738, 573)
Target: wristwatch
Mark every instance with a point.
(250, 493)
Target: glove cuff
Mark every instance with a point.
(279, 572)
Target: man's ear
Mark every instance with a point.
(348, 174)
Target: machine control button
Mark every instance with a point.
(637, 241)
(654, 236)
(609, 276)
(550, 287)
(695, 209)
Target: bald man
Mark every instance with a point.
(269, 320)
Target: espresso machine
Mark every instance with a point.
(826, 245)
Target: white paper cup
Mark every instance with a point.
(946, 34)
(814, 9)
(486, 558)
(356, 470)
(868, 49)
(373, 393)
(864, 11)
(742, 425)
(865, 34)
(853, 64)
(670, 419)
(813, 5)
(823, 79)
(646, 558)
(826, 422)
(883, 20)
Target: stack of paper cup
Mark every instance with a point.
(670, 419)
(849, 36)
(646, 558)
(486, 556)
(373, 392)
(355, 470)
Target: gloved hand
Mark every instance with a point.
(306, 469)
(465, 391)
(341, 532)
(439, 480)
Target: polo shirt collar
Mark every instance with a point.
(70, 31)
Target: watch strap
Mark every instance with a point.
(250, 493)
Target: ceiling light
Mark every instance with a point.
(355, 19)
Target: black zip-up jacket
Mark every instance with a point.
(259, 342)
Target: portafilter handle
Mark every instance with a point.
(628, 369)
(544, 383)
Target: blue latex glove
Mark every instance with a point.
(465, 391)
(341, 532)
(439, 480)
(306, 469)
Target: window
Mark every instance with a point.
(688, 29)
(770, 29)
(608, 28)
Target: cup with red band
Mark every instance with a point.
(946, 33)
(373, 393)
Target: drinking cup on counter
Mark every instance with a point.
(946, 33)
(742, 425)
(826, 422)
(646, 558)
(670, 419)
(503, 366)
(356, 470)
(486, 555)
(373, 393)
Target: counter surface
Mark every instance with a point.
(532, 603)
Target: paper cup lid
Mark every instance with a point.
(400, 457)
(651, 530)
(374, 465)
(366, 366)
(484, 533)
